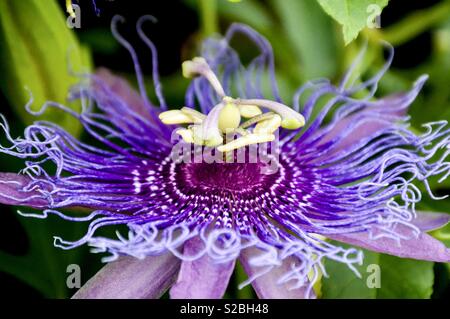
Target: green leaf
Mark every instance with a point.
(36, 47)
(240, 276)
(353, 15)
(405, 278)
(250, 12)
(443, 234)
(399, 278)
(44, 267)
(310, 33)
(343, 283)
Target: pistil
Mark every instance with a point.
(225, 118)
(198, 66)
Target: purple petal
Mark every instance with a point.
(123, 89)
(424, 247)
(431, 221)
(201, 278)
(13, 192)
(267, 286)
(132, 278)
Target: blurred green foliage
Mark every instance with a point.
(36, 47)
(398, 278)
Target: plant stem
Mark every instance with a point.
(209, 18)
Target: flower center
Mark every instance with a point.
(219, 178)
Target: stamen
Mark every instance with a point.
(176, 117)
(186, 134)
(197, 134)
(249, 111)
(196, 115)
(239, 131)
(256, 119)
(199, 66)
(268, 126)
(246, 140)
(290, 119)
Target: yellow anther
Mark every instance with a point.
(291, 119)
(292, 123)
(229, 118)
(256, 119)
(268, 126)
(246, 140)
(175, 117)
(196, 134)
(187, 68)
(186, 135)
(249, 111)
(192, 68)
(212, 138)
(194, 114)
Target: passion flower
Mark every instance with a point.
(346, 171)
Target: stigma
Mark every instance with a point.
(248, 121)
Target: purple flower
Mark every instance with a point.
(350, 174)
